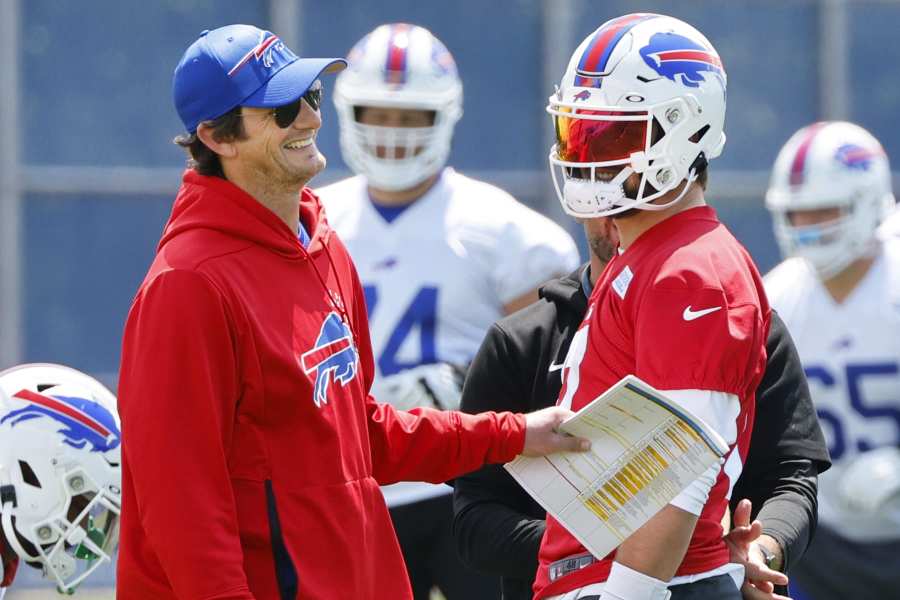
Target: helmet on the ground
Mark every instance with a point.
(60, 470)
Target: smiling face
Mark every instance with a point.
(274, 157)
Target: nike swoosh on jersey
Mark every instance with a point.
(690, 315)
(556, 367)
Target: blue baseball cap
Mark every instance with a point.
(241, 65)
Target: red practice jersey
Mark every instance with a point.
(682, 308)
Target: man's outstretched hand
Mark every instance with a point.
(759, 580)
(542, 436)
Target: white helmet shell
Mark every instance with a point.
(830, 165)
(643, 94)
(398, 66)
(60, 470)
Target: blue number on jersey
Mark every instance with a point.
(421, 312)
(854, 374)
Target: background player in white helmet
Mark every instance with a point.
(839, 293)
(60, 476)
(441, 256)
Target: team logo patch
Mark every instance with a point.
(262, 52)
(582, 95)
(83, 421)
(333, 359)
(622, 281)
(441, 59)
(681, 60)
(855, 157)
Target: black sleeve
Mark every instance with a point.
(497, 526)
(789, 512)
(787, 450)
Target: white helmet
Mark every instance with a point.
(830, 165)
(60, 473)
(644, 93)
(398, 66)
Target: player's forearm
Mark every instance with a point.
(790, 525)
(657, 548)
(430, 445)
(787, 495)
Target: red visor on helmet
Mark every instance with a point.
(590, 140)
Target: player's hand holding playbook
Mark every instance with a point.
(542, 434)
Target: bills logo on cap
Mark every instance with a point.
(681, 59)
(84, 421)
(332, 358)
(268, 43)
(856, 157)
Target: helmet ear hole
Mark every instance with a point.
(699, 134)
(657, 133)
(28, 475)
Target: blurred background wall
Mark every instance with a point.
(88, 171)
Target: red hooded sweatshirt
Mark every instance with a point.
(9, 562)
(252, 451)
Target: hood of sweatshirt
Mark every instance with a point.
(567, 292)
(217, 204)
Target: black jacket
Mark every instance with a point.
(498, 527)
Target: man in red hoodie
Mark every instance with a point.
(254, 452)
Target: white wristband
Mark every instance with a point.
(627, 584)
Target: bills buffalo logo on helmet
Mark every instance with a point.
(333, 359)
(83, 421)
(680, 59)
(856, 157)
(582, 95)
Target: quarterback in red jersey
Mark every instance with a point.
(254, 451)
(638, 115)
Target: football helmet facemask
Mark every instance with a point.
(398, 66)
(60, 473)
(830, 165)
(643, 94)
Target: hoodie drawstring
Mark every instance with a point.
(340, 303)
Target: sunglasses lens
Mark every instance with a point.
(313, 96)
(287, 114)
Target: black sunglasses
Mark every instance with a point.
(287, 113)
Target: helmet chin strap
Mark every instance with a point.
(689, 181)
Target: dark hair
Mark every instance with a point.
(201, 158)
(703, 178)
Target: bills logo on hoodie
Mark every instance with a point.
(333, 359)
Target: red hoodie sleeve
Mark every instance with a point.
(426, 444)
(9, 562)
(178, 392)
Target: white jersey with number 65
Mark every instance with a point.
(851, 355)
